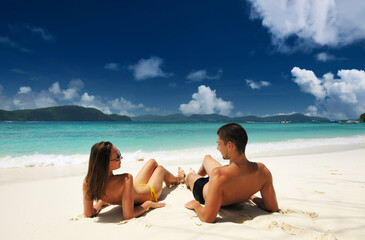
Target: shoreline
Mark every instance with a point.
(192, 155)
(34, 173)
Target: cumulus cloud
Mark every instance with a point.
(71, 93)
(339, 98)
(24, 90)
(205, 101)
(257, 85)
(308, 82)
(120, 106)
(200, 75)
(124, 106)
(112, 66)
(148, 68)
(91, 101)
(26, 98)
(311, 23)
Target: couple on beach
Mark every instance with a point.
(225, 185)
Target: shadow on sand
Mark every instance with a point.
(114, 213)
(239, 213)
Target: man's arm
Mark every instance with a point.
(268, 202)
(213, 202)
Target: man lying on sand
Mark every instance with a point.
(234, 183)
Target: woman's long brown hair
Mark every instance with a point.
(97, 174)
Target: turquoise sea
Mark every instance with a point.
(57, 143)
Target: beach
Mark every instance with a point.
(320, 195)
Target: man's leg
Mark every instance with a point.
(208, 165)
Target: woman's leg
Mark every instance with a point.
(160, 175)
(146, 172)
(154, 175)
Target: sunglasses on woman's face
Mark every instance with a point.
(119, 157)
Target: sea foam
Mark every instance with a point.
(186, 156)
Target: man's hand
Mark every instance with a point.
(192, 204)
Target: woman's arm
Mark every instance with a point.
(90, 210)
(129, 210)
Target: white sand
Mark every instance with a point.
(321, 196)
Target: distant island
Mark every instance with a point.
(296, 117)
(60, 113)
(77, 113)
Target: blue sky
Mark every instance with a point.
(234, 58)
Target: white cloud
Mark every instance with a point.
(124, 106)
(112, 66)
(70, 94)
(24, 90)
(75, 85)
(200, 75)
(119, 105)
(148, 68)
(26, 98)
(325, 57)
(55, 88)
(308, 82)
(257, 85)
(87, 98)
(91, 101)
(311, 22)
(205, 101)
(339, 98)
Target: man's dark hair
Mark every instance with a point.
(236, 134)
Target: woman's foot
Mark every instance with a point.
(176, 180)
(180, 175)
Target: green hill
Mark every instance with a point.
(362, 117)
(60, 113)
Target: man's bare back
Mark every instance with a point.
(234, 183)
(242, 181)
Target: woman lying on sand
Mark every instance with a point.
(101, 184)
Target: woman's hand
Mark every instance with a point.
(158, 204)
(149, 204)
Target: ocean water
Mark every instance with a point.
(24, 144)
